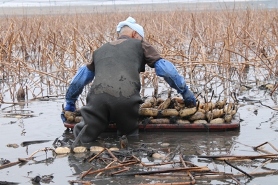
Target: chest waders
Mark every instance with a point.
(114, 95)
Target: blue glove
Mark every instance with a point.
(69, 106)
(168, 71)
(189, 98)
(79, 81)
(63, 117)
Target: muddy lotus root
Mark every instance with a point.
(173, 111)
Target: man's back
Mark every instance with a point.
(117, 67)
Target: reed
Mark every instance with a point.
(214, 50)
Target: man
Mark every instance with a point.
(114, 95)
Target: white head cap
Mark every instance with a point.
(131, 22)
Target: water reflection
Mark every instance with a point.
(194, 143)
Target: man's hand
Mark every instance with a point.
(71, 117)
(63, 117)
(189, 99)
(69, 107)
(69, 114)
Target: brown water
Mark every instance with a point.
(256, 128)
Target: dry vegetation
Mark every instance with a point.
(42, 53)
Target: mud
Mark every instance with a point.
(40, 120)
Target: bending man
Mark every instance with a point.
(115, 92)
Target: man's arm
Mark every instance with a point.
(83, 77)
(168, 71)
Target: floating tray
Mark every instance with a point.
(193, 127)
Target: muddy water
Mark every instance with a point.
(259, 124)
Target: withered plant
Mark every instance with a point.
(221, 49)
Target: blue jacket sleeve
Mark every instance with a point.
(83, 77)
(168, 71)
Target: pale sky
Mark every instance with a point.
(20, 3)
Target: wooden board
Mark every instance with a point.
(193, 127)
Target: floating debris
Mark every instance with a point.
(18, 113)
(4, 161)
(36, 179)
(47, 178)
(27, 143)
(122, 162)
(13, 145)
(123, 142)
(8, 183)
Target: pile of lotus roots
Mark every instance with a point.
(173, 111)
